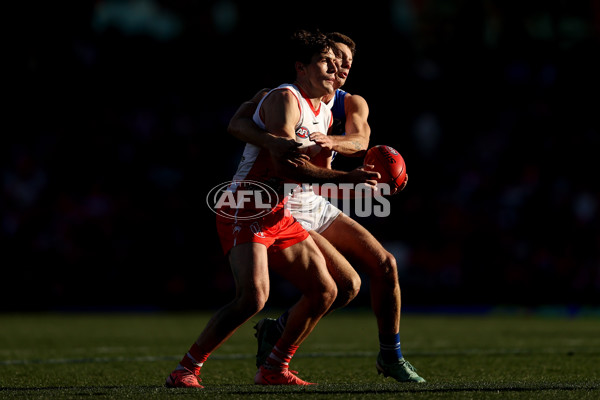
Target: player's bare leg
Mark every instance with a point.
(249, 265)
(346, 278)
(364, 251)
(304, 266)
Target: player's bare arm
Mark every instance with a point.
(280, 114)
(243, 128)
(356, 140)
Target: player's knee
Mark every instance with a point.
(355, 287)
(387, 268)
(251, 307)
(330, 292)
(324, 296)
(348, 291)
(251, 302)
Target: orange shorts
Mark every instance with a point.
(276, 231)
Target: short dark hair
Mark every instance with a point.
(337, 37)
(305, 44)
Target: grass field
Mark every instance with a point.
(118, 356)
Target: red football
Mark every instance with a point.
(390, 165)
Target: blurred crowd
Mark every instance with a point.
(119, 132)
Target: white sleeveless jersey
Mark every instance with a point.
(329, 104)
(311, 120)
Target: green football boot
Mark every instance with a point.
(402, 371)
(267, 335)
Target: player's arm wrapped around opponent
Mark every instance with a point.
(355, 141)
(280, 116)
(243, 128)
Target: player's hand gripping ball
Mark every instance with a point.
(390, 165)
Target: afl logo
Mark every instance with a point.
(302, 132)
(242, 200)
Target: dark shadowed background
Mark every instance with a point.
(116, 131)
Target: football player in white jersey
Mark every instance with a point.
(247, 242)
(338, 236)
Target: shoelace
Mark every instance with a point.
(187, 378)
(409, 365)
(290, 375)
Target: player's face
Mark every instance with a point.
(321, 73)
(344, 63)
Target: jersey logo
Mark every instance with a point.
(302, 132)
(256, 228)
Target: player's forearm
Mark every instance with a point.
(356, 140)
(243, 128)
(310, 173)
(350, 145)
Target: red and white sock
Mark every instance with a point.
(193, 360)
(281, 356)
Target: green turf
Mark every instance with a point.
(73, 356)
